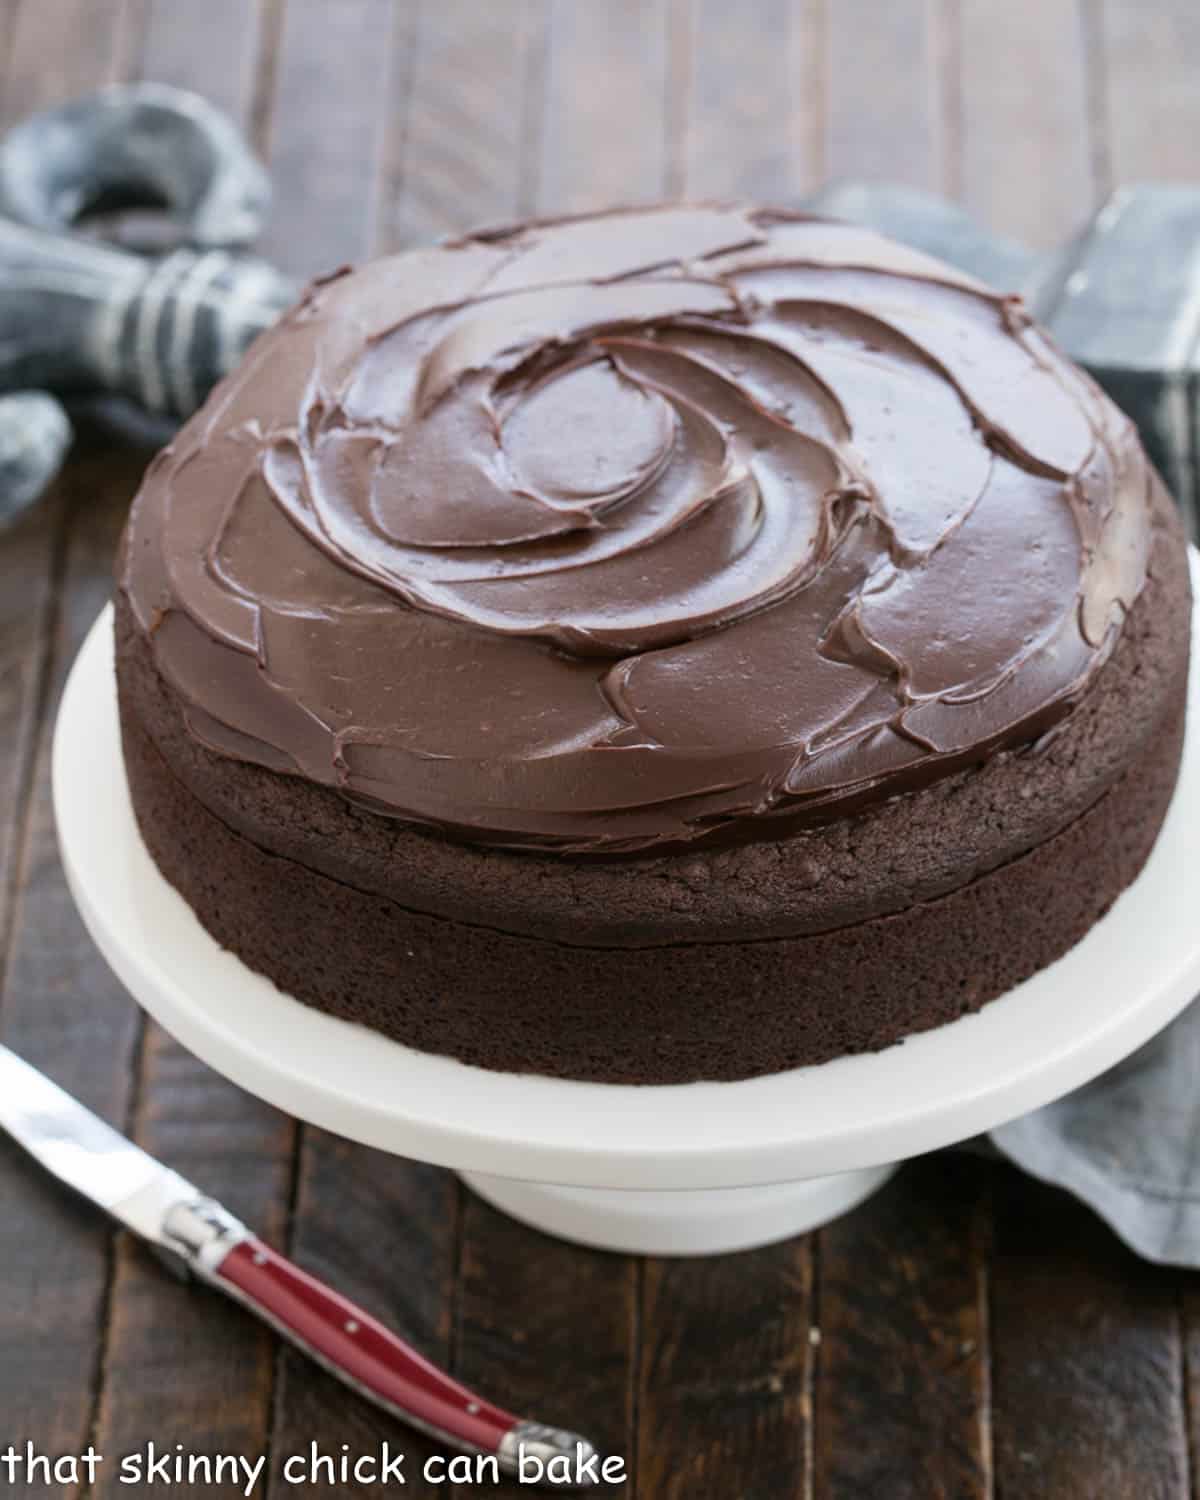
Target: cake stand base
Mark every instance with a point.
(699, 1222)
(687, 1169)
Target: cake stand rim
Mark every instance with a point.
(852, 1113)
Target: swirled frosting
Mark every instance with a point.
(623, 533)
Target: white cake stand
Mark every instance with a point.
(685, 1169)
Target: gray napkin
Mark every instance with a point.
(1128, 1144)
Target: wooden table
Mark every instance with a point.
(968, 1333)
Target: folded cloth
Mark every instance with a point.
(1128, 1144)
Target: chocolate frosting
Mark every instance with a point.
(623, 533)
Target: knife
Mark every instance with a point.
(199, 1237)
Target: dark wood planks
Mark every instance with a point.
(902, 1389)
(886, 92)
(549, 1329)
(212, 47)
(179, 1363)
(25, 581)
(38, 67)
(26, 603)
(1147, 58)
(1026, 150)
(8, 16)
(64, 1011)
(65, 48)
(461, 135)
(752, 74)
(607, 128)
(60, 1006)
(327, 131)
(725, 1389)
(1087, 1362)
(1189, 1308)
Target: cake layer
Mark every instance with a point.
(670, 1014)
(664, 528)
(899, 918)
(911, 848)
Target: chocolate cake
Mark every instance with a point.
(668, 644)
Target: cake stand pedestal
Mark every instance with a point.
(697, 1221)
(685, 1169)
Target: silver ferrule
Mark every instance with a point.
(203, 1233)
(539, 1445)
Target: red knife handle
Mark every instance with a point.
(358, 1348)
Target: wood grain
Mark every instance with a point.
(211, 47)
(1027, 161)
(84, 56)
(67, 47)
(27, 597)
(752, 75)
(606, 127)
(886, 92)
(63, 1010)
(725, 1392)
(1189, 1307)
(327, 132)
(180, 1364)
(549, 1328)
(1086, 1356)
(60, 1007)
(472, 99)
(902, 1398)
(1148, 57)
(25, 605)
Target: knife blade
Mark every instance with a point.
(204, 1239)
